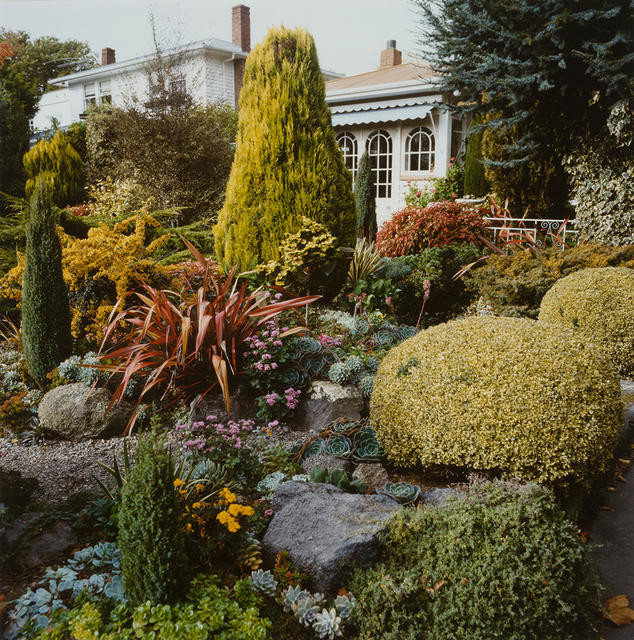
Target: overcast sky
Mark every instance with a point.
(349, 33)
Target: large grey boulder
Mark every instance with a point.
(325, 530)
(327, 401)
(373, 474)
(78, 411)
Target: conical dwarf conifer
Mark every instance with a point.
(365, 197)
(287, 164)
(45, 310)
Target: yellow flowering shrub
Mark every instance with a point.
(100, 269)
(599, 305)
(503, 394)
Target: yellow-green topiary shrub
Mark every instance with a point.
(502, 394)
(599, 305)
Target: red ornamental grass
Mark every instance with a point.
(184, 346)
(413, 229)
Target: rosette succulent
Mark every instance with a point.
(338, 446)
(366, 446)
(339, 373)
(366, 384)
(306, 344)
(402, 492)
(354, 363)
(263, 582)
(315, 448)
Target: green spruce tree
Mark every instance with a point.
(287, 164)
(153, 558)
(365, 199)
(45, 310)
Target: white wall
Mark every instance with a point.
(54, 104)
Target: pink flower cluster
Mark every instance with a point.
(291, 398)
(232, 433)
(261, 343)
(329, 341)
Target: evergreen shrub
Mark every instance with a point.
(598, 304)
(153, 557)
(59, 163)
(475, 183)
(413, 229)
(45, 311)
(287, 164)
(501, 561)
(508, 395)
(514, 285)
(365, 199)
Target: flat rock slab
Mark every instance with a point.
(325, 530)
(327, 401)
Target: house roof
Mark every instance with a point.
(402, 73)
(211, 44)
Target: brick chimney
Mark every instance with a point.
(391, 57)
(107, 56)
(241, 26)
(241, 37)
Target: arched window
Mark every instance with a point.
(379, 148)
(350, 150)
(419, 150)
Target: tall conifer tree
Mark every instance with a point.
(287, 163)
(45, 309)
(365, 197)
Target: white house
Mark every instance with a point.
(402, 118)
(212, 71)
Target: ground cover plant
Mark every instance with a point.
(501, 562)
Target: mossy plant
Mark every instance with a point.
(287, 163)
(506, 395)
(598, 304)
(153, 558)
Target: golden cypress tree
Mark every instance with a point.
(287, 163)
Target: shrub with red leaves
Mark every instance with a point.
(413, 229)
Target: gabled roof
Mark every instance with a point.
(210, 44)
(398, 74)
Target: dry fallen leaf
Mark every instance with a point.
(583, 536)
(617, 610)
(606, 508)
(624, 460)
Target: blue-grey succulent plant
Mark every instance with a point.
(354, 363)
(338, 446)
(366, 385)
(339, 373)
(403, 492)
(327, 624)
(315, 448)
(366, 446)
(264, 582)
(306, 344)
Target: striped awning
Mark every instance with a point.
(386, 114)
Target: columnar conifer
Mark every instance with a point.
(365, 197)
(45, 309)
(287, 164)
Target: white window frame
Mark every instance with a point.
(90, 94)
(105, 91)
(350, 150)
(424, 156)
(380, 147)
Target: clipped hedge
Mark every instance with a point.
(508, 395)
(500, 562)
(599, 305)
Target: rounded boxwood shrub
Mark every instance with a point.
(500, 562)
(509, 395)
(599, 305)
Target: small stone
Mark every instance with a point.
(330, 463)
(327, 401)
(437, 496)
(373, 474)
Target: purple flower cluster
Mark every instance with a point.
(260, 346)
(291, 398)
(329, 341)
(232, 433)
